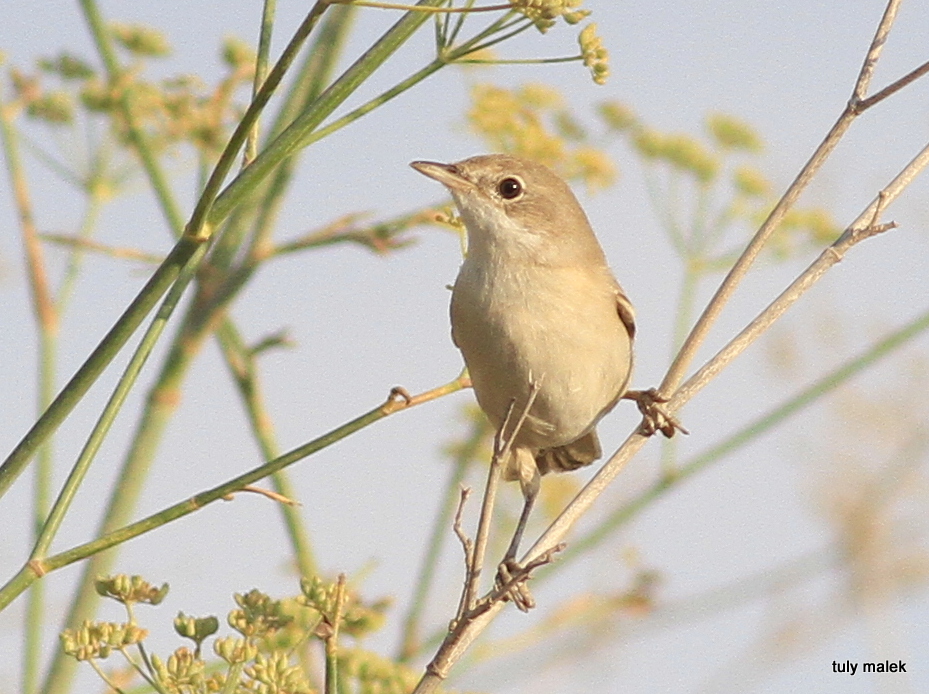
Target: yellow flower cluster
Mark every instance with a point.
(99, 639)
(170, 111)
(543, 13)
(681, 151)
(532, 121)
(595, 56)
(732, 133)
(274, 673)
(183, 671)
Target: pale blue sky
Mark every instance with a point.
(363, 324)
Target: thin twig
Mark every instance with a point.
(473, 573)
(420, 8)
(702, 327)
(467, 544)
(37, 568)
(112, 251)
(894, 87)
(261, 71)
(332, 640)
(859, 230)
(862, 228)
(465, 457)
(268, 493)
(503, 444)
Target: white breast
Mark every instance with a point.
(558, 326)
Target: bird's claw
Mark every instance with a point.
(654, 417)
(512, 582)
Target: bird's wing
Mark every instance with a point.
(625, 311)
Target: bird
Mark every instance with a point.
(536, 313)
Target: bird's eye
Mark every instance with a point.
(510, 188)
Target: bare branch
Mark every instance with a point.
(725, 291)
(874, 51)
(503, 443)
(893, 87)
(102, 248)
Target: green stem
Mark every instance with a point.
(99, 359)
(153, 170)
(91, 215)
(35, 613)
(294, 136)
(314, 74)
(261, 70)
(241, 363)
(161, 403)
(34, 570)
(437, 64)
(202, 223)
(46, 316)
(108, 416)
(376, 102)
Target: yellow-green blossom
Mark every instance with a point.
(750, 182)
(595, 56)
(732, 133)
(543, 13)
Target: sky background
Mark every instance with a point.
(363, 323)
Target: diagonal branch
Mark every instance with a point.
(854, 108)
(862, 228)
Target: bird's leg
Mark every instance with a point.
(654, 416)
(509, 570)
(503, 448)
(530, 491)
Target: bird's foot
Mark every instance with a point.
(512, 578)
(654, 417)
(511, 581)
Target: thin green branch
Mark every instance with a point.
(240, 360)
(100, 358)
(295, 136)
(501, 25)
(468, 9)
(202, 222)
(332, 640)
(437, 64)
(46, 319)
(316, 72)
(519, 61)
(108, 416)
(449, 38)
(80, 241)
(376, 102)
(34, 570)
(83, 244)
(261, 70)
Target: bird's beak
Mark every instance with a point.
(446, 174)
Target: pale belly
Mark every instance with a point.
(553, 328)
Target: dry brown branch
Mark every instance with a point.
(102, 248)
(854, 108)
(503, 443)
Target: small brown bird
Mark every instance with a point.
(536, 303)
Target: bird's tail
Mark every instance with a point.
(572, 456)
